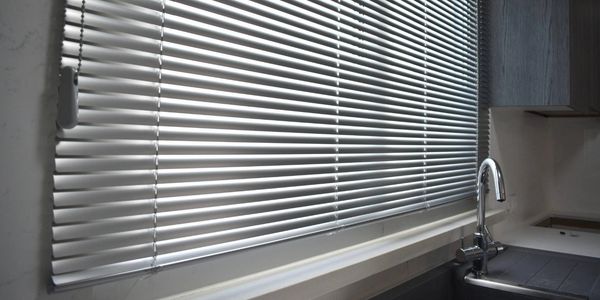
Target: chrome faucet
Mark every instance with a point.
(484, 244)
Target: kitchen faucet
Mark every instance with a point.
(484, 244)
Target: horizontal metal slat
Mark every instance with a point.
(106, 39)
(187, 31)
(133, 162)
(358, 216)
(380, 202)
(133, 177)
(179, 251)
(112, 178)
(101, 272)
(365, 42)
(113, 24)
(367, 120)
(107, 257)
(232, 136)
(360, 17)
(127, 9)
(182, 16)
(413, 15)
(183, 57)
(110, 54)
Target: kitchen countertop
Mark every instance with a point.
(550, 271)
(555, 240)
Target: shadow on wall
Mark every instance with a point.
(520, 143)
(576, 158)
(30, 45)
(47, 133)
(551, 166)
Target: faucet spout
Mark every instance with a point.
(489, 165)
(483, 241)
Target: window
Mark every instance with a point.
(207, 127)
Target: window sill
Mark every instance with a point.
(333, 270)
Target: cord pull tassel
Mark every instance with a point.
(68, 98)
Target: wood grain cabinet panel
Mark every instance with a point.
(544, 55)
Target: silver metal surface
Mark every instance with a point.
(487, 283)
(482, 239)
(474, 252)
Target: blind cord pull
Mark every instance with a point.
(337, 119)
(154, 265)
(68, 90)
(425, 104)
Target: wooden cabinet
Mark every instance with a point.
(544, 55)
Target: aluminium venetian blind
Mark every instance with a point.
(207, 127)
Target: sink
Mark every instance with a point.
(518, 273)
(490, 288)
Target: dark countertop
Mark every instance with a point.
(550, 271)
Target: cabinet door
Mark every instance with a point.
(585, 54)
(529, 53)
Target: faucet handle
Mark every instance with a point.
(468, 254)
(472, 253)
(496, 248)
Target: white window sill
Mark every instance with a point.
(336, 269)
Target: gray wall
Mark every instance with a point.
(575, 182)
(29, 45)
(551, 166)
(519, 141)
